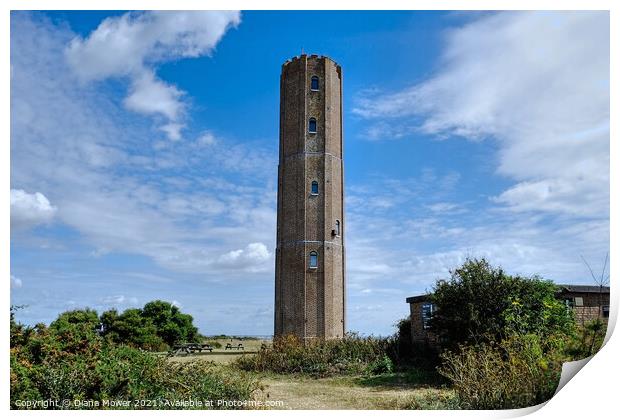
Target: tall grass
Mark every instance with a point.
(520, 371)
(351, 354)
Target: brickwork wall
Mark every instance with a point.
(309, 302)
(592, 303)
(420, 335)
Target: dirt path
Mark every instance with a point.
(346, 393)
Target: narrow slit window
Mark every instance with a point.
(314, 83)
(314, 260)
(337, 229)
(314, 190)
(312, 125)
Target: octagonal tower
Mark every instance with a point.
(310, 255)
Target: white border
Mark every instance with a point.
(592, 394)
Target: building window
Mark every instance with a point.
(315, 188)
(578, 301)
(312, 125)
(314, 83)
(337, 229)
(314, 260)
(605, 310)
(427, 314)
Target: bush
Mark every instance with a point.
(587, 340)
(351, 354)
(171, 324)
(405, 353)
(429, 400)
(383, 365)
(155, 327)
(74, 363)
(520, 371)
(132, 329)
(402, 344)
(481, 302)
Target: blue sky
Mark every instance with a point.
(144, 155)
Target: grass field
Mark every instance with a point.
(222, 356)
(404, 390)
(389, 393)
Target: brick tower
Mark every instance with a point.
(310, 262)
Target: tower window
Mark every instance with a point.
(314, 260)
(337, 229)
(315, 188)
(312, 125)
(314, 83)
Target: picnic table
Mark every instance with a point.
(229, 346)
(188, 348)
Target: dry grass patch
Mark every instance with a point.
(306, 393)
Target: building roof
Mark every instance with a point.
(419, 298)
(577, 288)
(566, 288)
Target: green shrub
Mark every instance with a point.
(74, 363)
(132, 329)
(401, 349)
(155, 327)
(171, 324)
(405, 353)
(351, 354)
(520, 371)
(587, 340)
(481, 302)
(379, 366)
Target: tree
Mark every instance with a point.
(86, 318)
(172, 325)
(153, 327)
(481, 303)
(132, 329)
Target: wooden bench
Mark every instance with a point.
(229, 346)
(188, 348)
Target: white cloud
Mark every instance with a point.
(16, 282)
(206, 139)
(173, 130)
(132, 44)
(558, 195)
(538, 83)
(445, 208)
(30, 209)
(151, 96)
(252, 258)
(182, 207)
(124, 45)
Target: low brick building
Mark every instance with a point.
(421, 311)
(587, 302)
